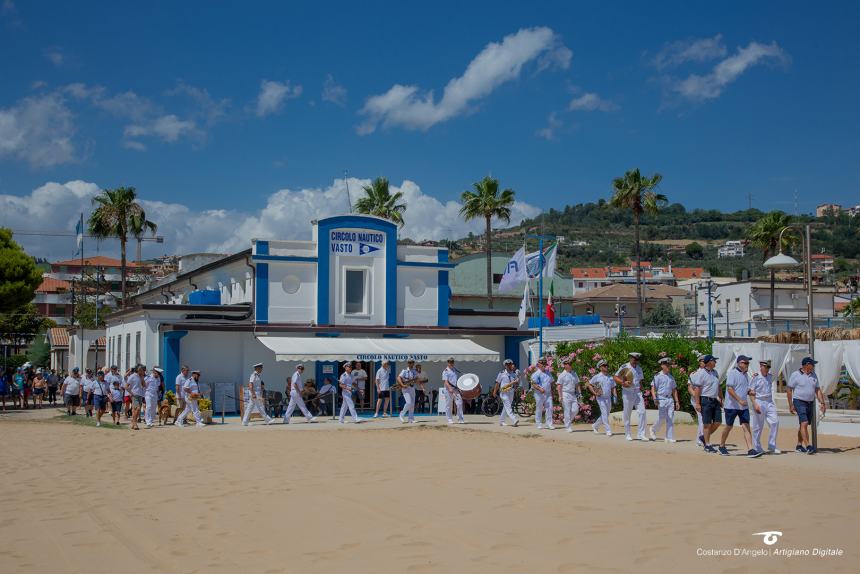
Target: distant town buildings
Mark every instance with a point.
(834, 209)
(587, 278)
(822, 263)
(731, 249)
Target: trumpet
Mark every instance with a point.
(508, 387)
(627, 376)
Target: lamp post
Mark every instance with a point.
(782, 261)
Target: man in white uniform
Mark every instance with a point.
(803, 389)
(735, 406)
(180, 387)
(449, 379)
(151, 383)
(191, 392)
(542, 385)
(570, 391)
(254, 396)
(295, 391)
(507, 382)
(602, 386)
(383, 391)
(631, 394)
(764, 411)
(665, 393)
(407, 379)
(700, 438)
(134, 385)
(347, 385)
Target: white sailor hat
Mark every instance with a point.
(195, 371)
(565, 361)
(347, 364)
(635, 355)
(601, 363)
(258, 365)
(450, 359)
(508, 362)
(158, 370)
(665, 361)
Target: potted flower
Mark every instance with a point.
(205, 410)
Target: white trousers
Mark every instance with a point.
(507, 407)
(634, 400)
(571, 408)
(768, 415)
(700, 429)
(347, 405)
(454, 398)
(605, 404)
(252, 405)
(408, 403)
(150, 414)
(666, 413)
(190, 407)
(543, 407)
(296, 400)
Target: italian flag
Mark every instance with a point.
(550, 306)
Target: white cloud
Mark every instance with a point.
(553, 125)
(709, 86)
(55, 55)
(694, 50)
(273, 95)
(591, 102)
(496, 64)
(38, 130)
(333, 92)
(169, 128)
(286, 215)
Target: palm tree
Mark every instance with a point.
(118, 215)
(487, 202)
(636, 193)
(764, 234)
(378, 201)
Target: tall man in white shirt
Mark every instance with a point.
(71, 391)
(631, 394)
(802, 391)
(359, 376)
(507, 382)
(542, 385)
(347, 386)
(254, 396)
(383, 391)
(152, 382)
(407, 379)
(449, 380)
(135, 387)
(191, 392)
(294, 388)
(180, 388)
(569, 391)
(602, 386)
(665, 393)
(764, 411)
(706, 387)
(700, 438)
(735, 405)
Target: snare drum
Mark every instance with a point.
(469, 386)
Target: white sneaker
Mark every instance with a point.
(608, 433)
(375, 415)
(98, 424)
(385, 415)
(312, 420)
(642, 438)
(342, 422)
(550, 427)
(149, 425)
(517, 422)
(628, 437)
(671, 440)
(402, 419)
(776, 451)
(538, 426)
(243, 424)
(356, 421)
(286, 421)
(502, 424)
(450, 421)
(594, 428)
(199, 425)
(653, 435)
(461, 422)
(568, 429)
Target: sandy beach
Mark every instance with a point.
(381, 497)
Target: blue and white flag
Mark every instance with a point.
(535, 261)
(515, 273)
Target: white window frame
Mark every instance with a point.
(367, 310)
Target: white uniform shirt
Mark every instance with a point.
(605, 382)
(543, 379)
(382, 377)
(803, 386)
(450, 376)
(135, 385)
(505, 378)
(256, 381)
(762, 386)
(189, 387)
(638, 377)
(180, 386)
(569, 382)
(707, 381)
(296, 382)
(408, 374)
(664, 385)
(151, 383)
(347, 380)
(73, 385)
(740, 383)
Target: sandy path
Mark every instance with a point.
(318, 498)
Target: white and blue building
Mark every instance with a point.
(351, 293)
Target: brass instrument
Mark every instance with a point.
(627, 375)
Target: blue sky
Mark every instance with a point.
(239, 119)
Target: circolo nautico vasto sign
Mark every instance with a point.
(362, 243)
(395, 358)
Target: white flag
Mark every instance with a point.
(534, 262)
(549, 266)
(515, 272)
(524, 305)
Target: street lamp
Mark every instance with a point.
(782, 261)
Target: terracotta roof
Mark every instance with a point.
(99, 260)
(59, 336)
(627, 292)
(821, 256)
(682, 273)
(588, 272)
(51, 285)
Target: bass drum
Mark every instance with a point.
(469, 385)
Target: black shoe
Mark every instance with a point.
(710, 448)
(800, 448)
(723, 451)
(752, 453)
(811, 450)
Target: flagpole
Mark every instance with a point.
(80, 323)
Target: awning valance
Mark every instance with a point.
(375, 349)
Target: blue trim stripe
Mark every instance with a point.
(261, 293)
(262, 248)
(284, 258)
(443, 255)
(442, 300)
(425, 264)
